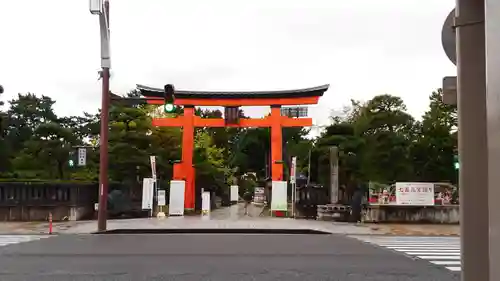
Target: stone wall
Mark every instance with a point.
(41, 213)
(443, 214)
(34, 201)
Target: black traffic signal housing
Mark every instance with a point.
(169, 95)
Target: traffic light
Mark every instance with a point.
(169, 93)
(71, 162)
(456, 162)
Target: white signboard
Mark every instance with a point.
(234, 193)
(176, 200)
(153, 166)
(293, 170)
(205, 203)
(279, 196)
(162, 198)
(147, 193)
(82, 156)
(259, 195)
(415, 193)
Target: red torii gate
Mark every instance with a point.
(188, 121)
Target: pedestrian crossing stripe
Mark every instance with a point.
(440, 251)
(6, 240)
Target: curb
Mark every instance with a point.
(214, 231)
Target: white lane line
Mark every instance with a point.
(428, 250)
(454, 268)
(439, 257)
(418, 248)
(446, 262)
(430, 254)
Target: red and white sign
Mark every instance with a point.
(293, 170)
(415, 193)
(153, 166)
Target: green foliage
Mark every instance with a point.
(379, 141)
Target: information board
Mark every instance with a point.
(205, 203)
(176, 202)
(415, 193)
(259, 195)
(162, 198)
(234, 193)
(279, 201)
(147, 193)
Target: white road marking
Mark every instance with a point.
(6, 240)
(441, 251)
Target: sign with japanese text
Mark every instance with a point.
(162, 198)
(293, 170)
(82, 156)
(415, 193)
(147, 193)
(153, 166)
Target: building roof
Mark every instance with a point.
(186, 94)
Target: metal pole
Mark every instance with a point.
(472, 140)
(103, 148)
(492, 10)
(293, 202)
(309, 167)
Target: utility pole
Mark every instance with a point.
(102, 9)
(472, 140)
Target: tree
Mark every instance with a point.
(129, 143)
(4, 149)
(35, 138)
(211, 169)
(49, 148)
(25, 114)
(434, 149)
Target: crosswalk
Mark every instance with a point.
(442, 251)
(6, 240)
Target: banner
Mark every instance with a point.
(176, 201)
(153, 166)
(279, 198)
(293, 170)
(147, 193)
(415, 193)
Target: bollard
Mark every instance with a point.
(161, 214)
(50, 223)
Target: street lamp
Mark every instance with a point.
(101, 8)
(96, 7)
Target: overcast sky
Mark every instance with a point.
(362, 48)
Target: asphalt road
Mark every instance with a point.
(205, 257)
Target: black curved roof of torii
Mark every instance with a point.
(186, 94)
